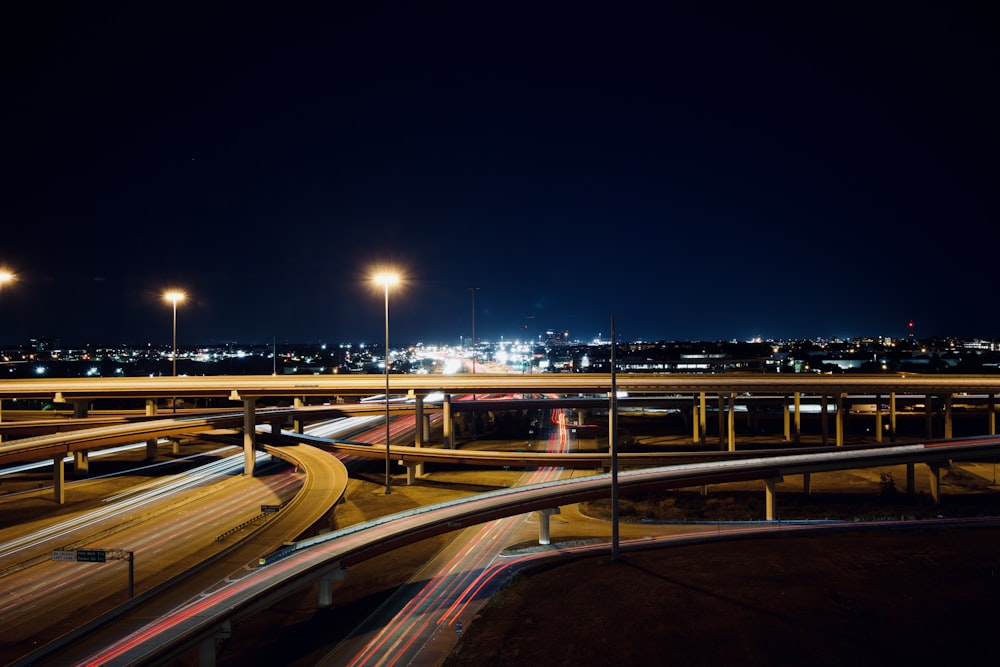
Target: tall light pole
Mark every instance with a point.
(473, 290)
(174, 296)
(385, 280)
(5, 277)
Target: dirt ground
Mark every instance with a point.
(861, 598)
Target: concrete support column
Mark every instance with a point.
(58, 480)
(276, 428)
(81, 462)
(807, 483)
(249, 435)
(824, 418)
(702, 417)
(947, 415)
(418, 422)
(991, 412)
(878, 418)
(840, 419)
(152, 451)
(206, 648)
(446, 422)
(935, 480)
(722, 422)
(326, 586)
(297, 425)
(798, 416)
(911, 479)
(731, 422)
(543, 523)
(695, 432)
(928, 416)
(413, 470)
(786, 418)
(175, 445)
(771, 498)
(892, 417)
(81, 407)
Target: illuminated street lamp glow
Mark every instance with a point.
(174, 296)
(387, 279)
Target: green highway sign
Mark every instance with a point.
(91, 555)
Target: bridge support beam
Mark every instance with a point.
(249, 435)
(928, 416)
(414, 469)
(702, 417)
(840, 419)
(152, 451)
(911, 479)
(543, 523)
(948, 400)
(81, 462)
(325, 600)
(878, 418)
(58, 480)
(731, 422)
(297, 425)
(206, 649)
(798, 416)
(824, 418)
(806, 483)
(991, 414)
(446, 422)
(786, 419)
(420, 434)
(771, 497)
(935, 480)
(892, 417)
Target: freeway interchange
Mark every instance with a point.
(288, 570)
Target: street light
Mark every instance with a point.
(174, 296)
(385, 279)
(5, 277)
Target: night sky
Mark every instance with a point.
(707, 171)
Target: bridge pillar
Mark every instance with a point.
(418, 421)
(786, 416)
(824, 418)
(276, 428)
(878, 418)
(928, 416)
(935, 480)
(152, 451)
(722, 422)
(414, 469)
(911, 482)
(297, 402)
(175, 446)
(702, 417)
(947, 416)
(771, 497)
(731, 422)
(991, 414)
(58, 480)
(892, 417)
(798, 416)
(446, 422)
(325, 600)
(81, 407)
(249, 435)
(543, 523)
(206, 648)
(81, 462)
(840, 419)
(806, 483)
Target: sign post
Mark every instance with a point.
(100, 556)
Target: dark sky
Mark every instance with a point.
(707, 171)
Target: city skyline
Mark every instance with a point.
(700, 173)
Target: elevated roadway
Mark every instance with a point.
(320, 559)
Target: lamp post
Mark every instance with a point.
(174, 296)
(5, 277)
(385, 280)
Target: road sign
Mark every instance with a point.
(64, 554)
(267, 509)
(91, 555)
